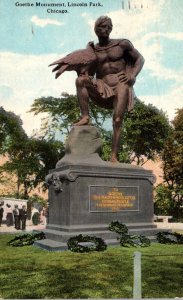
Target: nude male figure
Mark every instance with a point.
(118, 63)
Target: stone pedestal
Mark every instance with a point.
(86, 194)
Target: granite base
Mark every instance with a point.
(85, 198)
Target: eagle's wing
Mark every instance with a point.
(60, 70)
(58, 62)
(74, 61)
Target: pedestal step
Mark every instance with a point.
(51, 245)
(57, 240)
(61, 236)
(95, 227)
(54, 246)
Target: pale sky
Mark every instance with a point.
(32, 37)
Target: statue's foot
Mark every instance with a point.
(113, 159)
(84, 121)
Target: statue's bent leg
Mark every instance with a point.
(85, 90)
(120, 104)
(83, 98)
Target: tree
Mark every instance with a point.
(62, 113)
(143, 133)
(10, 130)
(164, 203)
(30, 159)
(172, 157)
(31, 162)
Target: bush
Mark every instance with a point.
(166, 204)
(37, 201)
(163, 201)
(35, 218)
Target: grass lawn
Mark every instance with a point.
(29, 272)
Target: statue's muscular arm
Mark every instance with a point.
(136, 58)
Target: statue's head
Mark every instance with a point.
(103, 26)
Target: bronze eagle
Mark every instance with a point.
(82, 61)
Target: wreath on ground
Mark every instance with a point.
(127, 240)
(166, 237)
(85, 243)
(26, 239)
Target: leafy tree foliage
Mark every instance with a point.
(164, 204)
(178, 126)
(31, 162)
(10, 130)
(169, 195)
(63, 112)
(143, 133)
(30, 159)
(172, 157)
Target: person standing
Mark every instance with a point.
(16, 217)
(1, 213)
(9, 216)
(23, 217)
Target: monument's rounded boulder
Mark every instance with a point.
(83, 146)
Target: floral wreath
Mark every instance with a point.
(166, 237)
(74, 245)
(26, 239)
(127, 240)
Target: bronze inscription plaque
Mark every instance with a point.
(113, 199)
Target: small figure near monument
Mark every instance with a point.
(106, 75)
(23, 217)
(16, 217)
(9, 216)
(1, 212)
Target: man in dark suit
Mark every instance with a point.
(1, 212)
(23, 217)
(16, 217)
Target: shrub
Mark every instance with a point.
(35, 218)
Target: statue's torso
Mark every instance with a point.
(110, 60)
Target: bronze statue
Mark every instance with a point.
(106, 74)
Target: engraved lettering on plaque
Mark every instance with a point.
(113, 199)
